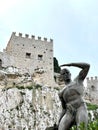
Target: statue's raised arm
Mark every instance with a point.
(84, 66)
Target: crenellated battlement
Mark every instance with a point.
(32, 37)
(92, 78)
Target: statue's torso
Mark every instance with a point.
(73, 92)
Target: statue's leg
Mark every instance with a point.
(66, 121)
(82, 116)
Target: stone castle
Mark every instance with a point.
(29, 55)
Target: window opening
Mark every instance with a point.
(93, 87)
(28, 55)
(40, 57)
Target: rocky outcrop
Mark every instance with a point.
(26, 103)
(33, 108)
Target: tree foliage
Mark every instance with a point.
(56, 65)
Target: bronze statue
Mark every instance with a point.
(74, 109)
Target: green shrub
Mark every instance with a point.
(93, 125)
(56, 65)
(91, 106)
(20, 87)
(38, 86)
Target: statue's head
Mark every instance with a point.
(65, 75)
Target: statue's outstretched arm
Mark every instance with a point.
(84, 66)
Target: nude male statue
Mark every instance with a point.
(73, 106)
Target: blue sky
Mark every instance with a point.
(72, 24)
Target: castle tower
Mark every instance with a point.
(92, 88)
(29, 55)
(92, 83)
